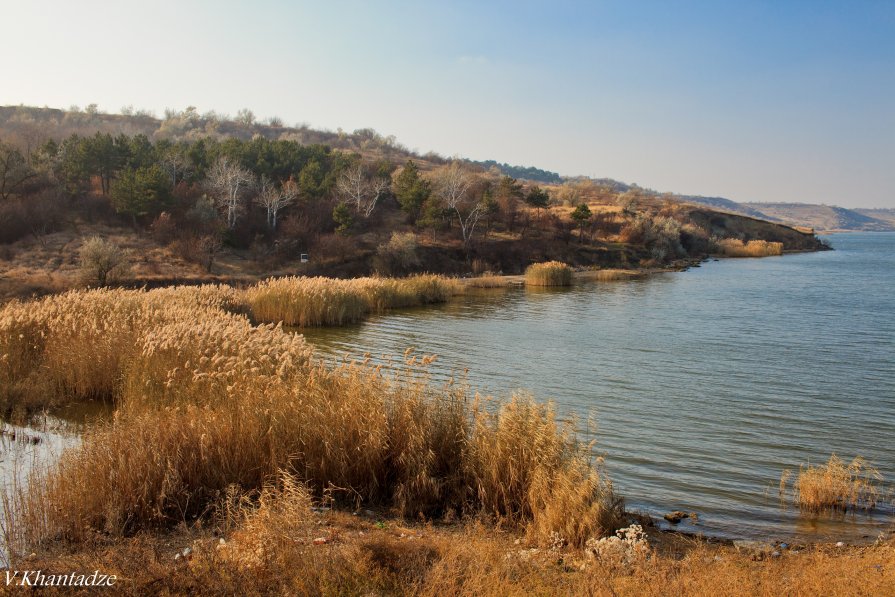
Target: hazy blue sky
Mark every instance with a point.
(755, 101)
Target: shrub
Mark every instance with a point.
(102, 262)
(398, 256)
(550, 273)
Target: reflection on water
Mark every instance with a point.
(706, 384)
(24, 451)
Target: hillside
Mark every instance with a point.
(883, 215)
(822, 218)
(194, 198)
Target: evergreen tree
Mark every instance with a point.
(141, 191)
(411, 190)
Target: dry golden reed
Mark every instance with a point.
(732, 247)
(550, 273)
(611, 275)
(206, 402)
(835, 485)
(303, 301)
(487, 281)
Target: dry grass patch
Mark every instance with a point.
(487, 281)
(835, 485)
(611, 275)
(550, 273)
(732, 247)
(358, 558)
(303, 301)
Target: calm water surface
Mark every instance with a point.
(705, 384)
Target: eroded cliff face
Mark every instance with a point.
(726, 225)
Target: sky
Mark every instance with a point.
(754, 101)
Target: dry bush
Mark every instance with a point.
(732, 247)
(660, 234)
(269, 527)
(102, 262)
(163, 228)
(835, 486)
(398, 256)
(550, 273)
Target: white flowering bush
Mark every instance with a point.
(628, 546)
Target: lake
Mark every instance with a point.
(705, 384)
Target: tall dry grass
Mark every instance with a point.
(732, 247)
(836, 485)
(487, 281)
(74, 346)
(612, 275)
(303, 301)
(206, 401)
(550, 273)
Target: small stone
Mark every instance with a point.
(221, 541)
(775, 554)
(840, 544)
(676, 516)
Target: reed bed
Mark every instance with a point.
(732, 247)
(305, 302)
(550, 273)
(612, 275)
(73, 346)
(487, 281)
(208, 404)
(835, 486)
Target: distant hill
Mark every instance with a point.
(823, 218)
(826, 217)
(883, 215)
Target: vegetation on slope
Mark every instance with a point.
(198, 196)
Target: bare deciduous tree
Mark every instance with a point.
(228, 183)
(14, 170)
(452, 184)
(361, 190)
(175, 162)
(274, 198)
